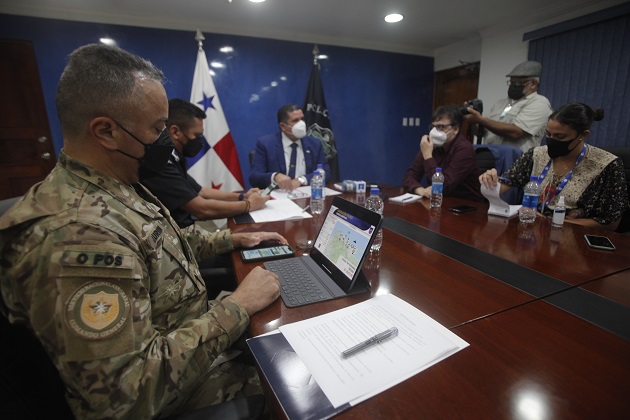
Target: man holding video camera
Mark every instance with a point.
(520, 119)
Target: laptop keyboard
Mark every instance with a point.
(298, 285)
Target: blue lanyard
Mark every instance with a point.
(566, 179)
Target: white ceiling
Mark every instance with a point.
(428, 24)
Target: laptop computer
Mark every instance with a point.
(333, 268)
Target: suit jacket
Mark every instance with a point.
(269, 158)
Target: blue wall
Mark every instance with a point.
(368, 93)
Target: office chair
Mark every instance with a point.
(252, 153)
(501, 157)
(624, 154)
(31, 387)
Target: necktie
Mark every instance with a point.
(293, 161)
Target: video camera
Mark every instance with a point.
(476, 104)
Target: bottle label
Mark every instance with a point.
(437, 188)
(316, 193)
(530, 200)
(558, 217)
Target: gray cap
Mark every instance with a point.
(528, 68)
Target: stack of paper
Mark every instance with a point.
(498, 207)
(405, 198)
(276, 210)
(338, 383)
(300, 192)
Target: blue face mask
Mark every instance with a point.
(156, 155)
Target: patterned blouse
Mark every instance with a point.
(597, 189)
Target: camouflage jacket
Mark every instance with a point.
(101, 273)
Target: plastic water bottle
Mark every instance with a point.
(559, 213)
(322, 172)
(375, 203)
(317, 198)
(527, 212)
(437, 185)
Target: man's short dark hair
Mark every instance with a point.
(451, 111)
(285, 110)
(183, 113)
(100, 80)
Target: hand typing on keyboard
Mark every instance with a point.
(257, 290)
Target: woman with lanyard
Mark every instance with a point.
(591, 180)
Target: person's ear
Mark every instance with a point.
(105, 132)
(174, 131)
(456, 130)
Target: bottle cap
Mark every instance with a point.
(319, 165)
(374, 191)
(533, 178)
(438, 169)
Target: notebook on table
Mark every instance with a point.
(333, 268)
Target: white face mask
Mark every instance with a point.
(438, 137)
(299, 129)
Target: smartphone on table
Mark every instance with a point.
(599, 242)
(267, 253)
(462, 209)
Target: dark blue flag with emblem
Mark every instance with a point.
(316, 117)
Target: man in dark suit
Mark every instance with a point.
(288, 157)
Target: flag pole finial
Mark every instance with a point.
(199, 37)
(315, 53)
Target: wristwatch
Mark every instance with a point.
(241, 197)
(302, 179)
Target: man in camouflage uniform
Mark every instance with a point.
(95, 266)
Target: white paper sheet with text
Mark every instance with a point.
(498, 207)
(276, 210)
(319, 341)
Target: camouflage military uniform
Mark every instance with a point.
(110, 286)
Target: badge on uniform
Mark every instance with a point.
(98, 310)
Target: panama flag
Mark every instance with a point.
(217, 165)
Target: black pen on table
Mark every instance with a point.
(392, 332)
(407, 198)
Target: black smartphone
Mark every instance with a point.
(599, 242)
(462, 209)
(267, 253)
(269, 188)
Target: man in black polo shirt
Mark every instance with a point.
(179, 192)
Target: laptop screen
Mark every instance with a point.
(345, 237)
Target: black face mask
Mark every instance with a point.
(193, 146)
(516, 92)
(156, 155)
(557, 148)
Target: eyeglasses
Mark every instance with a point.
(440, 127)
(518, 84)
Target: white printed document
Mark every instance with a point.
(276, 210)
(405, 198)
(301, 192)
(420, 343)
(498, 207)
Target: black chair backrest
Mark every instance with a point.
(624, 154)
(485, 159)
(29, 382)
(252, 153)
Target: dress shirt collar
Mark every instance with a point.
(287, 142)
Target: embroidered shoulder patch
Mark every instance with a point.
(98, 310)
